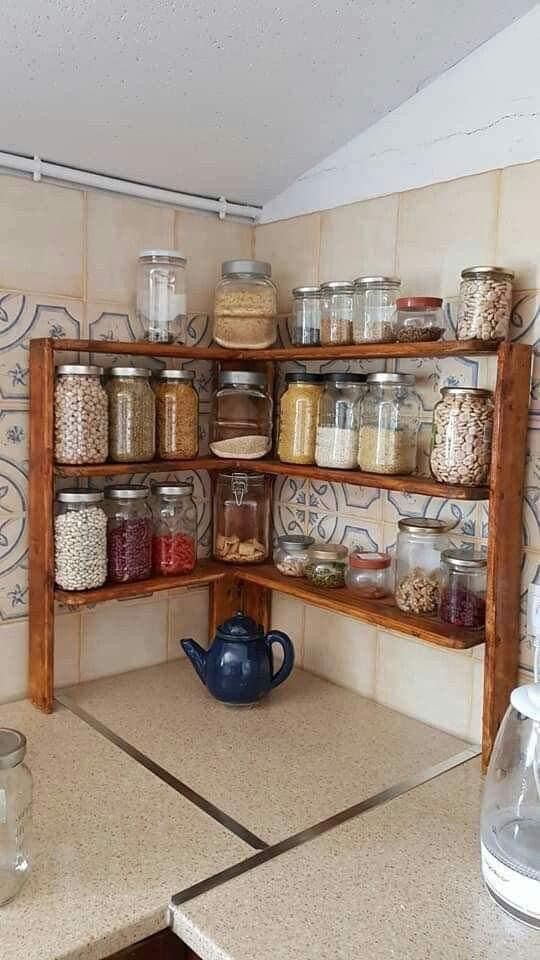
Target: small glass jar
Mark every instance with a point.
(299, 410)
(419, 546)
(369, 574)
(245, 306)
(339, 414)
(461, 436)
(177, 415)
(463, 589)
(15, 815)
(389, 424)
(306, 317)
(241, 416)
(336, 312)
(242, 518)
(161, 296)
(485, 303)
(419, 319)
(174, 539)
(326, 565)
(374, 319)
(291, 554)
(132, 415)
(80, 540)
(81, 415)
(129, 533)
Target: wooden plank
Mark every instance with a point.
(205, 572)
(256, 602)
(225, 599)
(150, 466)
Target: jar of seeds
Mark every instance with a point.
(374, 318)
(129, 533)
(389, 424)
(81, 415)
(132, 415)
(461, 436)
(485, 303)
(419, 546)
(80, 540)
(336, 312)
(177, 414)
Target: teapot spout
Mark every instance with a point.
(197, 655)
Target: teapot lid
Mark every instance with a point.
(240, 627)
(526, 700)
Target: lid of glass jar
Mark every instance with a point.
(146, 256)
(12, 748)
(176, 375)
(463, 391)
(259, 268)
(302, 377)
(526, 700)
(418, 303)
(328, 551)
(464, 559)
(422, 525)
(295, 542)
(79, 369)
(377, 282)
(133, 492)
(239, 377)
(345, 377)
(392, 378)
(299, 292)
(74, 495)
(338, 286)
(369, 560)
(172, 489)
(498, 273)
(129, 372)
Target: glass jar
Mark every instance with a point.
(177, 415)
(241, 416)
(336, 312)
(161, 296)
(81, 415)
(245, 306)
(461, 436)
(129, 533)
(80, 540)
(306, 317)
(374, 319)
(419, 319)
(339, 413)
(291, 554)
(485, 303)
(298, 415)
(389, 424)
(242, 518)
(419, 546)
(174, 539)
(15, 814)
(132, 415)
(369, 574)
(463, 589)
(326, 564)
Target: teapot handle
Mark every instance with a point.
(276, 636)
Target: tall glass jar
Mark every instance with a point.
(485, 303)
(336, 312)
(242, 518)
(375, 317)
(174, 540)
(161, 296)
(177, 415)
(306, 317)
(80, 540)
(15, 814)
(132, 415)
(463, 589)
(389, 424)
(81, 415)
(461, 436)
(129, 533)
(419, 546)
(299, 410)
(241, 416)
(245, 306)
(339, 413)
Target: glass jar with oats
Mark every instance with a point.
(245, 306)
(177, 415)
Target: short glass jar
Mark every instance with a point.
(174, 539)
(419, 319)
(339, 415)
(80, 540)
(177, 415)
(485, 303)
(132, 415)
(374, 317)
(463, 589)
(15, 815)
(369, 574)
(161, 296)
(336, 312)
(129, 533)
(241, 416)
(326, 564)
(291, 554)
(420, 543)
(389, 424)
(461, 436)
(242, 518)
(245, 306)
(81, 415)
(305, 329)
(299, 410)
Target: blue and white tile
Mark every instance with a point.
(525, 319)
(533, 452)
(433, 374)
(423, 453)
(198, 330)
(108, 322)
(204, 430)
(14, 430)
(204, 378)
(13, 566)
(531, 518)
(291, 490)
(462, 513)
(345, 499)
(330, 528)
(530, 573)
(287, 519)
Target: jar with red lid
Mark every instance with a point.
(419, 319)
(369, 574)
(174, 538)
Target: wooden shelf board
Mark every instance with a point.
(150, 466)
(205, 572)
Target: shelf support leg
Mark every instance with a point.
(224, 601)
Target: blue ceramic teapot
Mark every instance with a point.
(238, 668)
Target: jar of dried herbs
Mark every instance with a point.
(132, 415)
(177, 414)
(326, 564)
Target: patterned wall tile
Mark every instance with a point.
(432, 375)
(13, 564)
(462, 513)
(291, 490)
(287, 519)
(345, 499)
(330, 528)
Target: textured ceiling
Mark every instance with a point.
(236, 97)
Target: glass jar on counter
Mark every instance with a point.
(242, 518)
(81, 415)
(174, 539)
(306, 317)
(419, 319)
(241, 416)
(177, 415)
(369, 574)
(463, 589)
(339, 413)
(389, 424)
(419, 546)
(326, 564)
(80, 540)
(461, 436)
(291, 554)
(132, 415)
(299, 409)
(129, 533)
(485, 303)
(15, 814)
(374, 318)
(245, 306)
(161, 296)
(336, 312)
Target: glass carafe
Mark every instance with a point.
(15, 814)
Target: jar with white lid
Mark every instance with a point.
(463, 589)
(80, 540)
(161, 295)
(389, 424)
(339, 412)
(485, 303)
(369, 574)
(245, 306)
(291, 554)
(336, 312)
(241, 416)
(420, 543)
(132, 415)
(15, 815)
(129, 533)
(305, 328)
(374, 317)
(81, 415)
(326, 565)
(419, 319)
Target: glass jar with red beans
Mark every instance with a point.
(129, 533)
(174, 540)
(463, 589)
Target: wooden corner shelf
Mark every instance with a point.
(205, 572)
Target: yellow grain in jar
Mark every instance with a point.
(298, 418)
(177, 414)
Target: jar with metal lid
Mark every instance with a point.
(80, 540)
(461, 436)
(336, 312)
(339, 415)
(369, 574)
(245, 306)
(299, 409)
(463, 589)
(132, 415)
(374, 318)
(241, 416)
(174, 539)
(15, 815)
(326, 564)
(389, 424)
(242, 518)
(306, 317)
(419, 319)
(291, 554)
(161, 295)
(129, 533)
(485, 303)
(177, 415)
(81, 415)
(420, 543)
